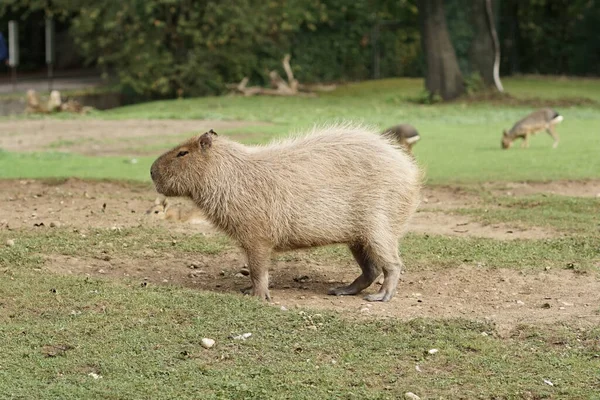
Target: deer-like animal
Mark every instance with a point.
(537, 121)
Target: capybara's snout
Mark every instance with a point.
(154, 171)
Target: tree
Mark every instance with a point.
(481, 51)
(443, 76)
(484, 53)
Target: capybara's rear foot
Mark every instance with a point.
(343, 291)
(391, 275)
(370, 272)
(383, 295)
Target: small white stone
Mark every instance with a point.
(547, 382)
(283, 308)
(411, 396)
(364, 310)
(207, 343)
(243, 336)
(519, 302)
(484, 334)
(10, 243)
(94, 375)
(433, 351)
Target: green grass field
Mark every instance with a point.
(461, 141)
(80, 336)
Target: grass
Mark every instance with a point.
(144, 342)
(461, 140)
(421, 251)
(62, 165)
(573, 215)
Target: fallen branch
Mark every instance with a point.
(279, 87)
(54, 104)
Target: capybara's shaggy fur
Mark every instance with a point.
(338, 184)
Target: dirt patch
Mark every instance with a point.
(586, 188)
(99, 137)
(506, 297)
(505, 99)
(456, 225)
(80, 204)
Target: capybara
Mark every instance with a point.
(337, 184)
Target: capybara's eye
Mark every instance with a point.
(182, 153)
(156, 212)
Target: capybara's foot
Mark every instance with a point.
(383, 295)
(343, 291)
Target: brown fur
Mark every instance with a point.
(338, 184)
(407, 135)
(537, 121)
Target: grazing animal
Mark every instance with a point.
(342, 184)
(163, 209)
(405, 134)
(539, 120)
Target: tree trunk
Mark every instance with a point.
(496, 42)
(512, 44)
(481, 51)
(443, 75)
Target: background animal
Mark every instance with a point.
(405, 134)
(164, 210)
(338, 184)
(545, 118)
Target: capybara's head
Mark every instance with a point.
(175, 172)
(506, 140)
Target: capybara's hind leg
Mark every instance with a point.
(389, 260)
(258, 264)
(370, 272)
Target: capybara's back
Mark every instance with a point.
(338, 184)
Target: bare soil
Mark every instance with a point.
(506, 297)
(579, 188)
(99, 137)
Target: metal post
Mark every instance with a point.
(50, 50)
(13, 50)
(376, 51)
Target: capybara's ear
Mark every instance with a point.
(206, 139)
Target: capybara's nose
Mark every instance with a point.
(152, 174)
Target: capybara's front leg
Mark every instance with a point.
(258, 264)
